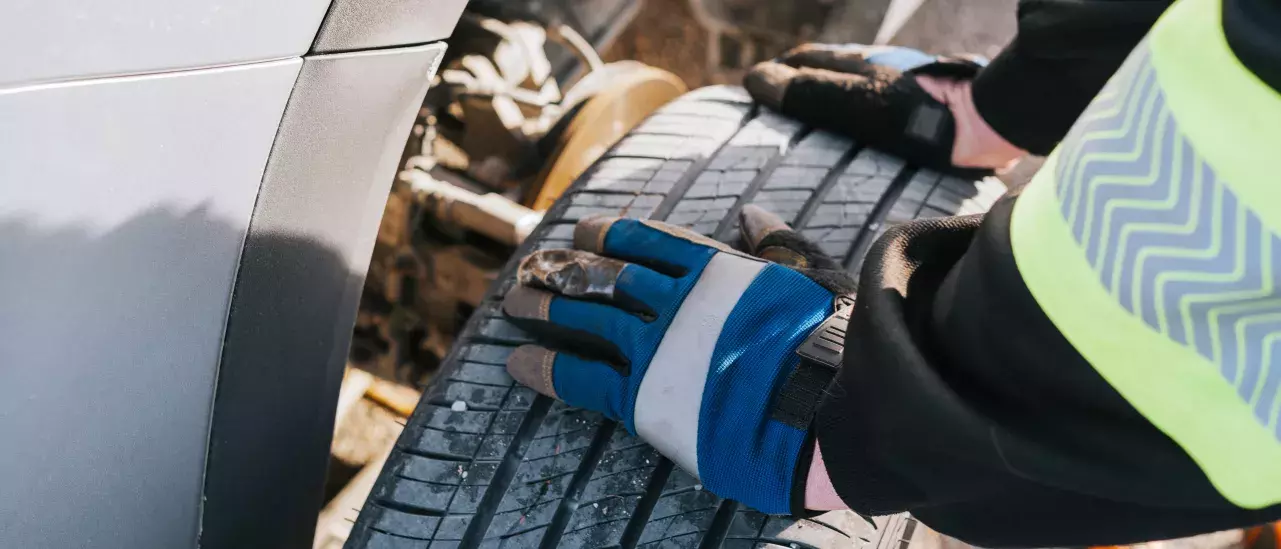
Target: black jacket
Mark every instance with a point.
(959, 400)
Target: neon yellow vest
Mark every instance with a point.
(1151, 238)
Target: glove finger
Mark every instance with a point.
(865, 59)
(767, 83)
(665, 248)
(769, 237)
(578, 381)
(846, 58)
(756, 223)
(585, 275)
(594, 330)
(818, 97)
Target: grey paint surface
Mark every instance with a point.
(296, 293)
(361, 24)
(63, 39)
(123, 207)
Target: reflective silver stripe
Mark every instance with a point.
(671, 394)
(1171, 241)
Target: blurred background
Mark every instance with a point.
(671, 34)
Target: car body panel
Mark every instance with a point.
(188, 201)
(299, 284)
(120, 231)
(72, 39)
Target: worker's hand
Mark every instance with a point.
(686, 341)
(900, 100)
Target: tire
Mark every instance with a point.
(518, 470)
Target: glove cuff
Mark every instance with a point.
(821, 353)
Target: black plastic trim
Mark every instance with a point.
(296, 292)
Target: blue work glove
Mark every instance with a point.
(691, 344)
(869, 93)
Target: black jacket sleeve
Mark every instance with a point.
(958, 399)
(960, 402)
(1064, 53)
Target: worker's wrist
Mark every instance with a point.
(976, 144)
(820, 495)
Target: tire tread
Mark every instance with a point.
(519, 470)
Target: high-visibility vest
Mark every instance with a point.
(1151, 238)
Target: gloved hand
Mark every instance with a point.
(899, 100)
(691, 344)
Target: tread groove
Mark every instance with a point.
(395, 535)
(505, 473)
(925, 201)
(569, 501)
(496, 341)
(603, 192)
(438, 456)
(414, 451)
(731, 217)
(866, 233)
(727, 102)
(409, 508)
(645, 507)
(445, 403)
(625, 156)
(830, 180)
(716, 532)
(470, 382)
(525, 530)
(696, 169)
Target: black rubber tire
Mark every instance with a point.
(517, 470)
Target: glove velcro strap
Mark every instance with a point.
(821, 353)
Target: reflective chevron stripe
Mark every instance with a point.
(1163, 275)
(1169, 241)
